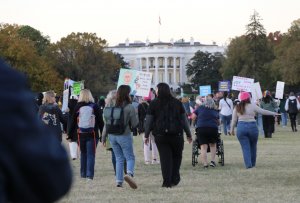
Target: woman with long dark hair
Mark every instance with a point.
(247, 131)
(122, 144)
(167, 120)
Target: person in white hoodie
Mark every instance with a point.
(292, 106)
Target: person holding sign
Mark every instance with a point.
(247, 132)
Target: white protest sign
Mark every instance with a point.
(65, 100)
(139, 81)
(242, 84)
(279, 90)
(256, 91)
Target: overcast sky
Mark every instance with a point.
(116, 20)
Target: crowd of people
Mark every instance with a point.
(162, 120)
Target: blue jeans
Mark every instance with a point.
(122, 146)
(259, 123)
(247, 134)
(226, 120)
(284, 116)
(87, 145)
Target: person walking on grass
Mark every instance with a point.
(86, 121)
(226, 108)
(119, 120)
(168, 118)
(207, 130)
(269, 104)
(247, 131)
(110, 101)
(292, 106)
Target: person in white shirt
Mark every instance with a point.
(226, 109)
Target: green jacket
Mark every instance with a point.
(272, 106)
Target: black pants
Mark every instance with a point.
(293, 117)
(170, 152)
(268, 125)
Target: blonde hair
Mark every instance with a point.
(48, 97)
(111, 98)
(86, 96)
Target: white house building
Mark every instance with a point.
(166, 60)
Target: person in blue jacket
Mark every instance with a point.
(34, 166)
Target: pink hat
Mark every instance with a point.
(148, 98)
(244, 96)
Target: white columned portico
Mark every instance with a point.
(156, 70)
(180, 70)
(166, 70)
(141, 64)
(174, 71)
(147, 64)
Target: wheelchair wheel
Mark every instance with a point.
(195, 153)
(221, 153)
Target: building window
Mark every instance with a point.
(170, 78)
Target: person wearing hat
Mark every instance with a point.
(247, 131)
(269, 104)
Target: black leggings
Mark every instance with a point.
(268, 125)
(170, 152)
(293, 117)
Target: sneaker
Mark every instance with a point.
(155, 161)
(205, 167)
(130, 181)
(119, 185)
(147, 162)
(212, 164)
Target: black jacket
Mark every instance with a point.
(34, 167)
(72, 127)
(52, 117)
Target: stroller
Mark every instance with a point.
(219, 151)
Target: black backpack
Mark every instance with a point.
(114, 120)
(293, 106)
(168, 120)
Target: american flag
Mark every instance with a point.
(159, 21)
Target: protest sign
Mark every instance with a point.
(256, 91)
(242, 84)
(139, 81)
(205, 90)
(279, 90)
(77, 87)
(224, 86)
(65, 100)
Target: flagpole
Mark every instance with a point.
(159, 24)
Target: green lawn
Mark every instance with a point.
(276, 177)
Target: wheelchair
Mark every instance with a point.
(219, 151)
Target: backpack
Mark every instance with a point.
(292, 106)
(86, 119)
(168, 121)
(114, 120)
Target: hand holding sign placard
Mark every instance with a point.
(242, 84)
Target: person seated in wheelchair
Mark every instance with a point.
(207, 121)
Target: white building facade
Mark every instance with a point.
(166, 61)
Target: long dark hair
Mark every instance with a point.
(225, 94)
(267, 99)
(123, 95)
(240, 107)
(163, 91)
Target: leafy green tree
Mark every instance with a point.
(287, 62)
(22, 55)
(203, 69)
(250, 55)
(40, 42)
(122, 64)
(81, 56)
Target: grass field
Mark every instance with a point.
(276, 177)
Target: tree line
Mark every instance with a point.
(79, 56)
(266, 58)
